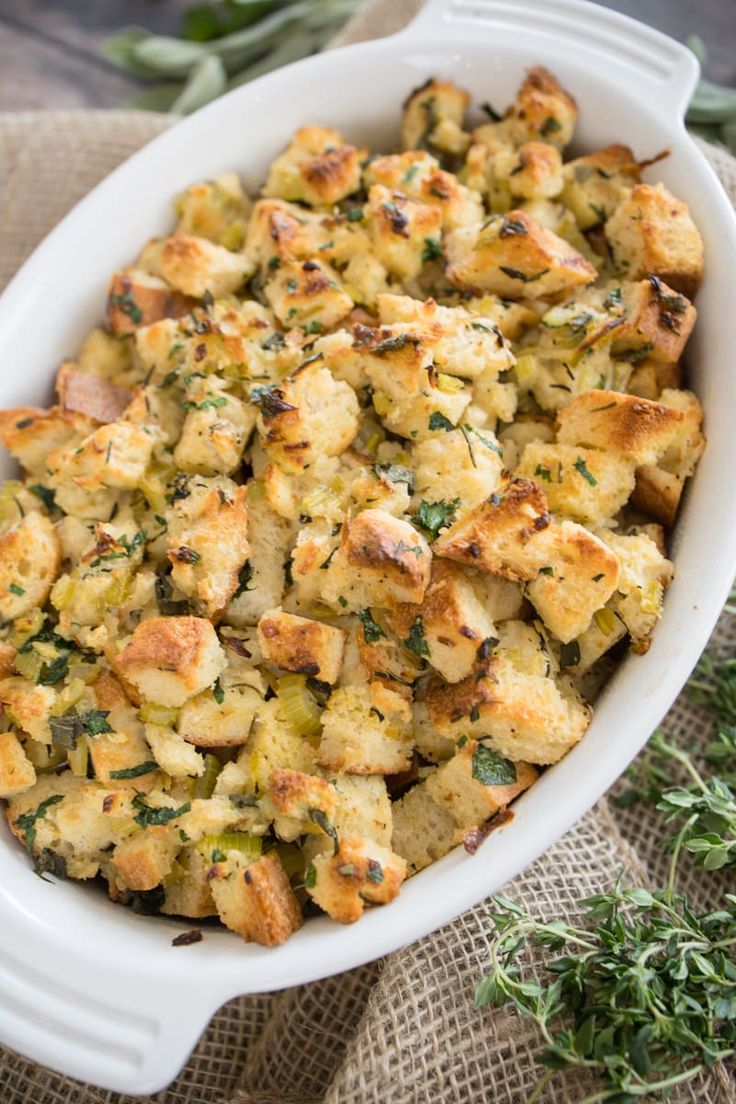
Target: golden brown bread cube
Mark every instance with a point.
(137, 298)
(16, 770)
(543, 109)
(531, 172)
(423, 830)
(142, 860)
(30, 558)
(587, 485)
(515, 257)
(476, 783)
(433, 117)
(256, 900)
(31, 433)
(216, 209)
(359, 738)
(189, 893)
(404, 233)
(196, 266)
(418, 175)
(318, 167)
(625, 424)
(595, 183)
(308, 293)
(170, 659)
(651, 233)
(299, 801)
(382, 561)
(301, 644)
(360, 873)
(658, 321)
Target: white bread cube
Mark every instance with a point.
(30, 558)
(382, 561)
(587, 485)
(423, 830)
(465, 785)
(308, 293)
(318, 167)
(359, 739)
(624, 424)
(596, 182)
(418, 175)
(16, 770)
(216, 209)
(301, 644)
(195, 266)
(142, 861)
(432, 116)
(403, 232)
(255, 900)
(170, 659)
(138, 298)
(360, 872)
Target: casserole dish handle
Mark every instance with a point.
(663, 72)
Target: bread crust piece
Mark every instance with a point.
(255, 900)
(301, 644)
(137, 298)
(516, 257)
(624, 424)
(317, 167)
(360, 872)
(170, 659)
(92, 396)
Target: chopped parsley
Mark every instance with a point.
(432, 250)
(217, 692)
(66, 730)
(355, 214)
(550, 126)
(434, 516)
(416, 641)
(136, 771)
(492, 769)
(372, 631)
(46, 495)
(437, 420)
(27, 821)
(15, 589)
(582, 469)
(127, 305)
(185, 555)
(543, 473)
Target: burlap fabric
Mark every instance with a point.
(403, 1030)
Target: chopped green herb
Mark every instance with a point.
(46, 495)
(343, 601)
(15, 589)
(543, 473)
(394, 344)
(149, 816)
(128, 306)
(582, 469)
(517, 274)
(547, 571)
(355, 214)
(374, 872)
(310, 876)
(185, 555)
(550, 126)
(492, 769)
(395, 473)
(613, 299)
(434, 516)
(432, 250)
(217, 692)
(27, 821)
(371, 630)
(437, 420)
(491, 112)
(416, 641)
(135, 772)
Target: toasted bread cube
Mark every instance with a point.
(360, 873)
(170, 659)
(296, 798)
(652, 233)
(404, 233)
(423, 830)
(317, 168)
(476, 783)
(136, 298)
(16, 770)
(363, 808)
(30, 558)
(596, 182)
(658, 321)
(269, 537)
(516, 257)
(308, 293)
(659, 486)
(107, 357)
(584, 574)
(533, 171)
(115, 455)
(173, 753)
(216, 209)
(273, 743)
(625, 424)
(586, 485)
(494, 534)
(460, 466)
(433, 116)
(301, 644)
(208, 536)
(189, 893)
(222, 721)
(453, 621)
(256, 900)
(280, 231)
(310, 414)
(645, 575)
(196, 266)
(359, 739)
(28, 706)
(31, 434)
(143, 860)
(419, 176)
(658, 493)
(543, 109)
(93, 396)
(215, 432)
(382, 561)
(122, 750)
(523, 717)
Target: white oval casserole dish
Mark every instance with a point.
(98, 992)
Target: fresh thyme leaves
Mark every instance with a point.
(372, 631)
(433, 516)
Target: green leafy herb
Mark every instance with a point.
(185, 555)
(95, 722)
(491, 112)
(46, 495)
(437, 420)
(15, 589)
(149, 816)
(371, 630)
(634, 356)
(394, 344)
(128, 306)
(26, 822)
(547, 571)
(416, 641)
(245, 578)
(492, 769)
(310, 876)
(582, 469)
(217, 692)
(511, 227)
(600, 212)
(355, 214)
(517, 274)
(374, 872)
(135, 772)
(543, 473)
(433, 516)
(613, 299)
(395, 473)
(550, 126)
(432, 250)
(319, 818)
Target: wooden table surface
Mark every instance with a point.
(49, 49)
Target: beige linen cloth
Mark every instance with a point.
(403, 1030)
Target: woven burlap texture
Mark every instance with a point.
(402, 1031)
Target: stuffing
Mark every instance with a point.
(587, 485)
(542, 109)
(309, 414)
(188, 893)
(272, 744)
(196, 266)
(652, 234)
(269, 539)
(533, 171)
(658, 322)
(623, 424)
(459, 468)
(514, 256)
(432, 118)
(423, 830)
(30, 558)
(308, 293)
(358, 739)
(363, 808)
(299, 801)
(301, 644)
(122, 754)
(522, 717)
(114, 456)
(449, 626)
(596, 183)
(170, 659)
(219, 717)
(659, 486)
(419, 176)
(16, 770)
(31, 434)
(89, 395)
(404, 233)
(359, 873)
(382, 561)
(317, 168)
(28, 706)
(255, 900)
(208, 542)
(136, 298)
(173, 753)
(215, 431)
(142, 861)
(215, 209)
(476, 783)
(645, 575)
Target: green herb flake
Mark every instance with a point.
(26, 822)
(433, 516)
(550, 126)
(437, 420)
(432, 250)
(492, 769)
(355, 214)
(374, 873)
(416, 641)
(148, 816)
(517, 274)
(135, 772)
(46, 495)
(543, 473)
(372, 631)
(310, 876)
(217, 692)
(582, 469)
(15, 589)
